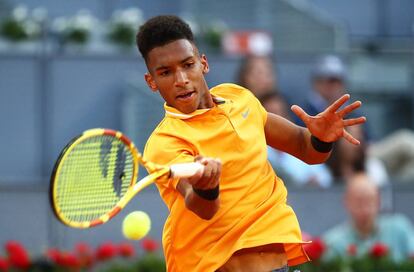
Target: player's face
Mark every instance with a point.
(177, 71)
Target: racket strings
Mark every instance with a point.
(94, 177)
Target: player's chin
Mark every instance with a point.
(187, 109)
(187, 105)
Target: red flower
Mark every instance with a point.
(379, 250)
(53, 254)
(64, 259)
(106, 251)
(86, 261)
(149, 245)
(126, 250)
(4, 265)
(85, 254)
(83, 249)
(315, 249)
(17, 254)
(68, 259)
(352, 250)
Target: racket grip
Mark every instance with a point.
(185, 170)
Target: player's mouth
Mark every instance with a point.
(187, 96)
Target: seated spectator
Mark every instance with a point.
(274, 102)
(347, 159)
(366, 226)
(328, 78)
(397, 152)
(257, 74)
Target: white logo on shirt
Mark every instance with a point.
(246, 113)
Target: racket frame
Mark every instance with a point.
(156, 171)
(136, 156)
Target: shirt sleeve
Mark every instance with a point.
(167, 150)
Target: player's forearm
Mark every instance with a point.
(308, 153)
(202, 207)
(295, 140)
(299, 144)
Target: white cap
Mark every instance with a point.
(329, 66)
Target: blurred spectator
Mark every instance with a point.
(366, 228)
(328, 84)
(274, 102)
(347, 159)
(257, 74)
(397, 152)
(329, 76)
(290, 169)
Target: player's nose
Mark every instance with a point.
(181, 78)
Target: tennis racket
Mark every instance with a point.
(95, 177)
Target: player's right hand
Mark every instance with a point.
(210, 176)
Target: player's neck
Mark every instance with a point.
(206, 101)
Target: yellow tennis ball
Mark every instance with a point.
(136, 225)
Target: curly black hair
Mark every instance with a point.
(161, 30)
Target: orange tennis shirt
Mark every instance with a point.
(253, 209)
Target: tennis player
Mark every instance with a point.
(233, 215)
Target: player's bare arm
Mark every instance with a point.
(328, 127)
(201, 190)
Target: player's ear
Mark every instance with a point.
(151, 82)
(204, 63)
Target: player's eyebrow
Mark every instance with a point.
(187, 59)
(163, 67)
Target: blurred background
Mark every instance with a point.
(66, 66)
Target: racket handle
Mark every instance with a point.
(185, 170)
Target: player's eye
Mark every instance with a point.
(164, 73)
(189, 64)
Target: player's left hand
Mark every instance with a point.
(329, 125)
